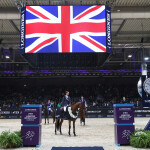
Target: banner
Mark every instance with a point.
(108, 30)
(91, 113)
(22, 30)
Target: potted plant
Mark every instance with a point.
(10, 139)
(140, 139)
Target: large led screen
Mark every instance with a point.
(65, 29)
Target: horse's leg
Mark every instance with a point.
(45, 119)
(69, 121)
(61, 125)
(81, 121)
(74, 132)
(84, 121)
(48, 118)
(56, 126)
(53, 118)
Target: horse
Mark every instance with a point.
(48, 113)
(73, 111)
(82, 114)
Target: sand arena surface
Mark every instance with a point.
(96, 132)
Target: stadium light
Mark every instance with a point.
(129, 56)
(146, 58)
(7, 57)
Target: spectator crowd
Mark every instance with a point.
(95, 95)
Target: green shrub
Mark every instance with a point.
(18, 133)
(10, 139)
(140, 139)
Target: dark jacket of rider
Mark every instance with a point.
(66, 101)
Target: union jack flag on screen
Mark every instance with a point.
(65, 29)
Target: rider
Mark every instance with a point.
(49, 106)
(48, 103)
(52, 104)
(66, 101)
(82, 100)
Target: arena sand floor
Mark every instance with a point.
(96, 132)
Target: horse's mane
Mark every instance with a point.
(76, 104)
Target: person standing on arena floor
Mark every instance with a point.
(124, 101)
(58, 105)
(66, 101)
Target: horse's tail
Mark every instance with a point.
(58, 124)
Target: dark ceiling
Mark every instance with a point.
(130, 36)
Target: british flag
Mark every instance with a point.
(65, 29)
